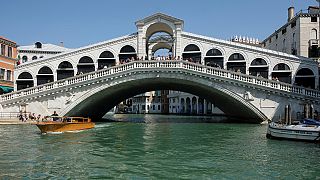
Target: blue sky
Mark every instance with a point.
(81, 22)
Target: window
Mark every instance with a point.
(314, 19)
(158, 107)
(9, 51)
(143, 107)
(9, 75)
(34, 58)
(284, 30)
(293, 24)
(2, 74)
(270, 40)
(276, 36)
(3, 50)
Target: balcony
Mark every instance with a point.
(313, 42)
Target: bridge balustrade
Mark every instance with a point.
(222, 73)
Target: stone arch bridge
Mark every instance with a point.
(249, 98)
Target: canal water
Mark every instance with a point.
(159, 149)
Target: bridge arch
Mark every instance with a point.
(127, 52)
(85, 65)
(259, 67)
(45, 75)
(192, 52)
(25, 80)
(282, 72)
(65, 70)
(97, 101)
(214, 58)
(106, 59)
(237, 62)
(158, 27)
(305, 77)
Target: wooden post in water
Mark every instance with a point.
(289, 114)
(311, 111)
(286, 114)
(306, 111)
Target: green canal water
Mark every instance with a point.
(162, 150)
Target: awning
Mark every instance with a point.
(6, 89)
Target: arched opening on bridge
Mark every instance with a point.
(65, 70)
(160, 53)
(192, 53)
(127, 53)
(106, 59)
(214, 58)
(282, 73)
(237, 63)
(24, 80)
(85, 65)
(45, 75)
(158, 33)
(259, 67)
(160, 40)
(305, 78)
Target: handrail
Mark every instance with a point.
(165, 64)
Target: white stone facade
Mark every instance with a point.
(296, 36)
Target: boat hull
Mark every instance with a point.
(46, 127)
(294, 132)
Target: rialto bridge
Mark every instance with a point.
(239, 78)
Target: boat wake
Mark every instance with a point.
(102, 125)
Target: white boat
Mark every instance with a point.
(301, 131)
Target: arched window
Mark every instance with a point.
(282, 73)
(34, 57)
(305, 77)
(192, 53)
(281, 67)
(45, 75)
(191, 47)
(38, 45)
(214, 58)
(314, 34)
(85, 65)
(259, 67)
(24, 80)
(127, 53)
(237, 63)
(106, 59)
(65, 70)
(24, 59)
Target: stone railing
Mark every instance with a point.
(165, 64)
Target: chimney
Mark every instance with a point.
(61, 44)
(290, 13)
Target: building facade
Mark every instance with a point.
(299, 36)
(39, 51)
(8, 55)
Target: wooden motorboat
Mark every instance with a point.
(64, 124)
(306, 130)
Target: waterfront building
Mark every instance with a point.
(298, 36)
(8, 54)
(39, 51)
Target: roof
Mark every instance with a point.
(45, 47)
(1, 37)
(157, 16)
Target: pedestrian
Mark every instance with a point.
(54, 116)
